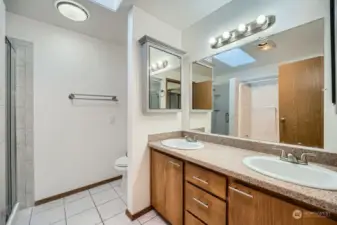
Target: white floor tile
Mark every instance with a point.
(119, 191)
(156, 221)
(88, 217)
(62, 222)
(111, 208)
(23, 217)
(121, 219)
(104, 196)
(78, 206)
(48, 217)
(47, 206)
(98, 189)
(148, 216)
(76, 196)
(116, 183)
(125, 199)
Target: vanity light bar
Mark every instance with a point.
(159, 66)
(244, 30)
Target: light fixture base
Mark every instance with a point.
(252, 28)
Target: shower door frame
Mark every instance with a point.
(11, 150)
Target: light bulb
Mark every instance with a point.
(212, 41)
(226, 35)
(153, 66)
(262, 19)
(242, 28)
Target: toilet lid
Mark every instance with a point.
(122, 161)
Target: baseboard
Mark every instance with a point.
(84, 188)
(12, 217)
(138, 214)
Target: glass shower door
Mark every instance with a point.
(11, 190)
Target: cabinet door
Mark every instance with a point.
(310, 218)
(275, 211)
(174, 191)
(158, 181)
(167, 187)
(242, 205)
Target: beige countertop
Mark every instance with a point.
(228, 161)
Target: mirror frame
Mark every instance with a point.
(147, 42)
(206, 64)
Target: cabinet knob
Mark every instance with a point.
(283, 119)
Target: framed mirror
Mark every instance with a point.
(272, 89)
(162, 72)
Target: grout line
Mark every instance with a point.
(30, 216)
(64, 209)
(99, 214)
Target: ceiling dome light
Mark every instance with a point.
(226, 35)
(242, 28)
(262, 19)
(212, 41)
(72, 10)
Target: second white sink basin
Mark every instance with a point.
(182, 144)
(305, 175)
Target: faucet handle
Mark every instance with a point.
(283, 153)
(304, 159)
(195, 137)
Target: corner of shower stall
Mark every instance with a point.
(19, 125)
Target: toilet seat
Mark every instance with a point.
(121, 164)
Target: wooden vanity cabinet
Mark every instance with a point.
(250, 207)
(209, 199)
(167, 187)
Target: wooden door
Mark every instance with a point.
(167, 187)
(301, 102)
(242, 205)
(202, 95)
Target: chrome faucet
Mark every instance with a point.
(189, 139)
(291, 158)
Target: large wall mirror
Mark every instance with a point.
(161, 76)
(271, 89)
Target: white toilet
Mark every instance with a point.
(121, 164)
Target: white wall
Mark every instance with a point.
(140, 126)
(2, 116)
(75, 144)
(288, 14)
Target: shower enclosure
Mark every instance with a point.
(11, 173)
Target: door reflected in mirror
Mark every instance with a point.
(202, 93)
(165, 80)
(271, 89)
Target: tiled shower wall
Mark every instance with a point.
(24, 121)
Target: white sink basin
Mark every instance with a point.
(182, 144)
(305, 175)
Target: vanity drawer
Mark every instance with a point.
(208, 208)
(191, 220)
(207, 180)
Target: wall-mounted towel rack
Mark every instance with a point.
(73, 96)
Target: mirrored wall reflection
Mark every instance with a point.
(202, 98)
(165, 80)
(271, 89)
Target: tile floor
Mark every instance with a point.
(103, 205)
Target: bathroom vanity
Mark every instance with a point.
(212, 186)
